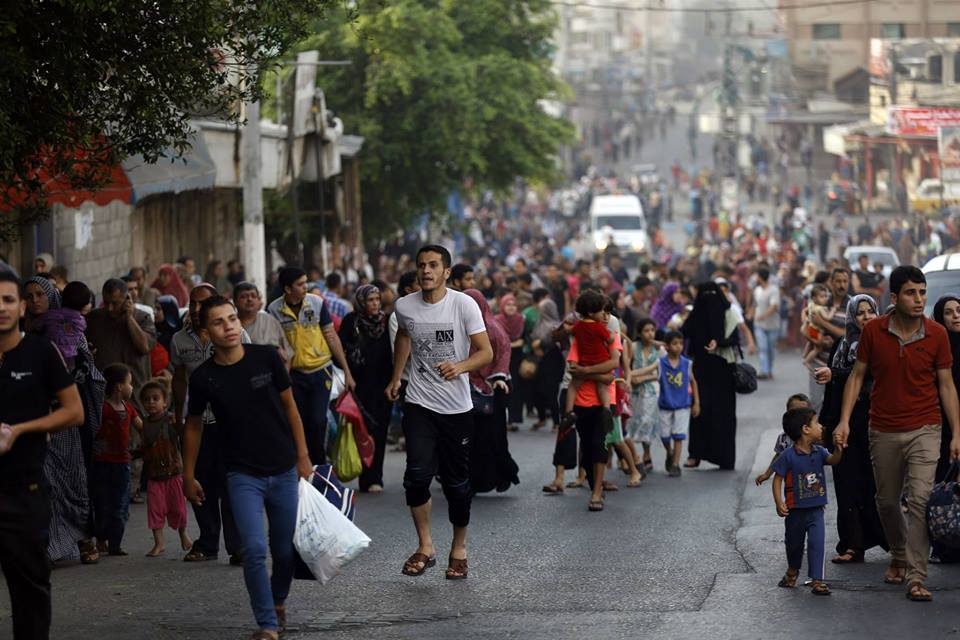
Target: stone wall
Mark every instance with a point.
(93, 242)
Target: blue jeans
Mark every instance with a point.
(805, 524)
(111, 501)
(766, 345)
(249, 495)
(311, 392)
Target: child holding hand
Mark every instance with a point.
(804, 497)
(161, 454)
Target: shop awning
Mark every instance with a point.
(55, 188)
(195, 170)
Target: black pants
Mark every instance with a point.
(593, 449)
(565, 450)
(24, 522)
(215, 510)
(438, 445)
(378, 431)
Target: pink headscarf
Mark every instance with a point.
(500, 365)
(513, 323)
(174, 286)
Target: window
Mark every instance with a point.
(935, 68)
(893, 30)
(953, 29)
(826, 31)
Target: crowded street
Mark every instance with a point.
(487, 319)
(668, 560)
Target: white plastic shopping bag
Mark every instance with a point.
(325, 539)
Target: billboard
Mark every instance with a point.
(948, 143)
(921, 121)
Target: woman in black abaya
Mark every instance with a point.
(712, 338)
(858, 524)
(947, 313)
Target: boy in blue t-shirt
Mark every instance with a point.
(679, 399)
(800, 493)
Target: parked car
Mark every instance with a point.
(884, 255)
(943, 277)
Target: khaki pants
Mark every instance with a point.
(906, 460)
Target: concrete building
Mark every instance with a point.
(828, 41)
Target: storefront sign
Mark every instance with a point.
(921, 121)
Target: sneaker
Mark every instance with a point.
(674, 472)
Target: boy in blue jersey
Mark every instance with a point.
(679, 399)
(800, 493)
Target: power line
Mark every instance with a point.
(662, 9)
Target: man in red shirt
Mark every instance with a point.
(909, 358)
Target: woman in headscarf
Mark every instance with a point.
(43, 263)
(711, 332)
(514, 323)
(858, 524)
(41, 296)
(667, 304)
(168, 282)
(166, 314)
(366, 342)
(947, 313)
(66, 464)
(491, 466)
(550, 369)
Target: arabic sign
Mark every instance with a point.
(921, 121)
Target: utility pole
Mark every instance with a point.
(254, 245)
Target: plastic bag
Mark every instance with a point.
(348, 407)
(346, 460)
(324, 538)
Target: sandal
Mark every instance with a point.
(457, 569)
(198, 556)
(789, 580)
(691, 463)
(899, 574)
(88, 552)
(848, 557)
(609, 486)
(819, 588)
(916, 592)
(575, 484)
(595, 505)
(552, 489)
(635, 483)
(425, 562)
(263, 634)
(648, 464)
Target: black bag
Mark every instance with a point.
(744, 377)
(943, 517)
(482, 404)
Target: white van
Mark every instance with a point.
(618, 221)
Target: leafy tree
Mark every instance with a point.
(442, 91)
(87, 82)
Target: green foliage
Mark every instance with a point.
(442, 91)
(113, 78)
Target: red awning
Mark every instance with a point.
(55, 188)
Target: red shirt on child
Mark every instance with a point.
(593, 342)
(112, 443)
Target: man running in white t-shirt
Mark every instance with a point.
(438, 330)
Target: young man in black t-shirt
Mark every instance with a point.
(263, 448)
(33, 377)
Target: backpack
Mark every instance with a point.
(943, 516)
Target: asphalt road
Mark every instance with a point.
(697, 556)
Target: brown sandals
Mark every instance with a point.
(916, 592)
(789, 580)
(457, 569)
(410, 566)
(896, 573)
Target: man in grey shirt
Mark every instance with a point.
(262, 327)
